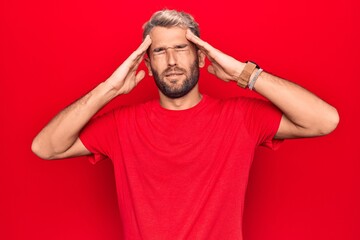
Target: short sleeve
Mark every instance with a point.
(262, 120)
(99, 136)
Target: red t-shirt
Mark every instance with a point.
(183, 174)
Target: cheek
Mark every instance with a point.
(158, 62)
(186, 59)
(191, 62)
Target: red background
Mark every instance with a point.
(53, 52)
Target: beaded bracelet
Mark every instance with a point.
(253, 80)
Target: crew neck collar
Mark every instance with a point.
(195, 107)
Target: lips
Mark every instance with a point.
(171, 74)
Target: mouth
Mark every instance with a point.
(173, 74)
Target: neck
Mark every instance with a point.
(188, 101)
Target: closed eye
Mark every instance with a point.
(181, 47)
(160, 50)
(178, 48)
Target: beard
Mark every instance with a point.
(170, 88)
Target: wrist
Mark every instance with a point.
(106, 91)
(241, 67)
(246, 71)
(254, 77)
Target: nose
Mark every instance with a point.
(171, 57)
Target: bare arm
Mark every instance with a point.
(60, 137)
(304, 114)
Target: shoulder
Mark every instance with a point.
(134, 110)
(135, 106)
(242, 101)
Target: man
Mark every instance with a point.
(182, 162)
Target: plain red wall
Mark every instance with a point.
(52, 52)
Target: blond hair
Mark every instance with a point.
(171, 18)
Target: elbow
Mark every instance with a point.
(330, 123)
(39, 151)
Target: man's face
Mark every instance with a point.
(173, 61)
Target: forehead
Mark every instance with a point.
(167, 37)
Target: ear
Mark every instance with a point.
(148, 65)
(201, 57)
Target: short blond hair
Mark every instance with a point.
(171, 18)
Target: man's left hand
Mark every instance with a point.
(223, 66)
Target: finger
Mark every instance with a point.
(145, 44)
(139, 76)
(136, 64)
(211, 53)
(132, 62)
(216, 67)
(198, 42)
(140, 51)
(193, 38)
(211, 69)
(218, 71)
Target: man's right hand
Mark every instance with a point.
(60, 137)
(124, 79)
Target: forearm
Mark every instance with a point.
(304, 109)
(63, 130)
(304, 114)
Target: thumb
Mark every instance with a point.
(139, 76)
(211, 69)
